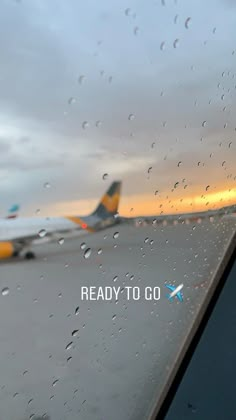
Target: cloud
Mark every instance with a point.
(4, 147)
(71, 76)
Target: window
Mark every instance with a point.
(118, 199)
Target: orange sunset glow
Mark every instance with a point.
(147, 204)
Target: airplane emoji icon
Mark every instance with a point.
(175, 291)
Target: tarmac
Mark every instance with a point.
(70, 358)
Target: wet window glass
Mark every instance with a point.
(117, 186)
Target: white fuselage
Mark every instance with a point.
(30, 227)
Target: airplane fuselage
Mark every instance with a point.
(17, 235)
(38, 227)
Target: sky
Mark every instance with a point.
(141, 91)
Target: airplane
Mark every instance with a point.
(18, 235)
(175, 291)
(13, 211)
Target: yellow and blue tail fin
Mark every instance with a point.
(104, 215)
(109, 204)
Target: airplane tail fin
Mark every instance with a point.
(13, 211)
(103, 215)
(108, 205)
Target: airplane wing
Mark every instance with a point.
(179, 296)
(172, 288)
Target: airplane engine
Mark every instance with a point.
(7, 250)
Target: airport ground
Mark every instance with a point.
(74, 359)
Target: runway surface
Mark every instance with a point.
(121, 352)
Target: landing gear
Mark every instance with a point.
(29, 255)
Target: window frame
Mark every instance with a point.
(161, 406)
